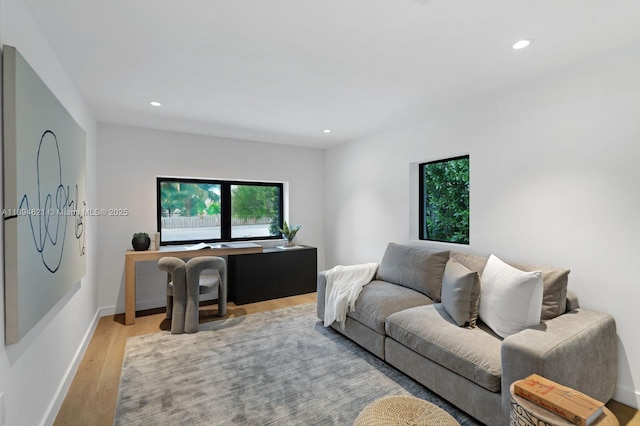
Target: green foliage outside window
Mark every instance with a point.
(257, 202)
(254, 201)
(190, 199)
(444, 213)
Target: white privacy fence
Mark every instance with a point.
(177, 222)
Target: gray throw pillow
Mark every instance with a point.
(461, 293)
(417, 268)
(555, 283)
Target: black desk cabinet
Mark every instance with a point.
(272, 274)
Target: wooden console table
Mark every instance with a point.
(131, 257)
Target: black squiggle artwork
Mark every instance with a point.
(55, 206)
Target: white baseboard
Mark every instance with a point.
(140, 306)
(628, 397)
(61, 393)
(147, 304)
(109, 310)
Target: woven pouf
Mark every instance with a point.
(403, 410)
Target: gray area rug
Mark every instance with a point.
(273, 368)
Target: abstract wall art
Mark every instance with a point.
(44, 197)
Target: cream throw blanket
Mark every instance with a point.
(344, 284)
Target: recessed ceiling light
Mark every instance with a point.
(155, 104)
(521, 44)
(327, 130)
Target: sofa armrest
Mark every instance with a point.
(577, 349)
(320, 288)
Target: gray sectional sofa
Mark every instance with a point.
(398, 318)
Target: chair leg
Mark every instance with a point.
(178, 301)
(222, 299)
(192, 299)
(176, 272)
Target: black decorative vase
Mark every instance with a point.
(141, 244)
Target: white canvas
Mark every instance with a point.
(44, 197)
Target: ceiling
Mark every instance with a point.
(284, 70)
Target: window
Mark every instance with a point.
(201, 210)
(255, 210)
(444, 200)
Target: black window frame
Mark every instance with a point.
(422, 226)
(225, 209)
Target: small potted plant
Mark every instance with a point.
(289, 232)
(141, 241)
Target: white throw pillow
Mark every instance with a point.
(510, 299)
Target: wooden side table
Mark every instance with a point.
(527, 413)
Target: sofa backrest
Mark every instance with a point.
(417, 268)
(555, 282)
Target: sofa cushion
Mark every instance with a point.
(461, 293)
(473, 353)
(470, 261)
(418, 268)
(510, 299)
(379, 299)
(554, 281)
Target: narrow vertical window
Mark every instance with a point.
(444, 200)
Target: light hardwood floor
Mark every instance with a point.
(91, 399)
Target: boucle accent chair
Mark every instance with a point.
(204, 274)
(176, 291)
(399, 316)
(186, 282)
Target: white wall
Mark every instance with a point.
(131, 158)
(35, 373)
(555, 175)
